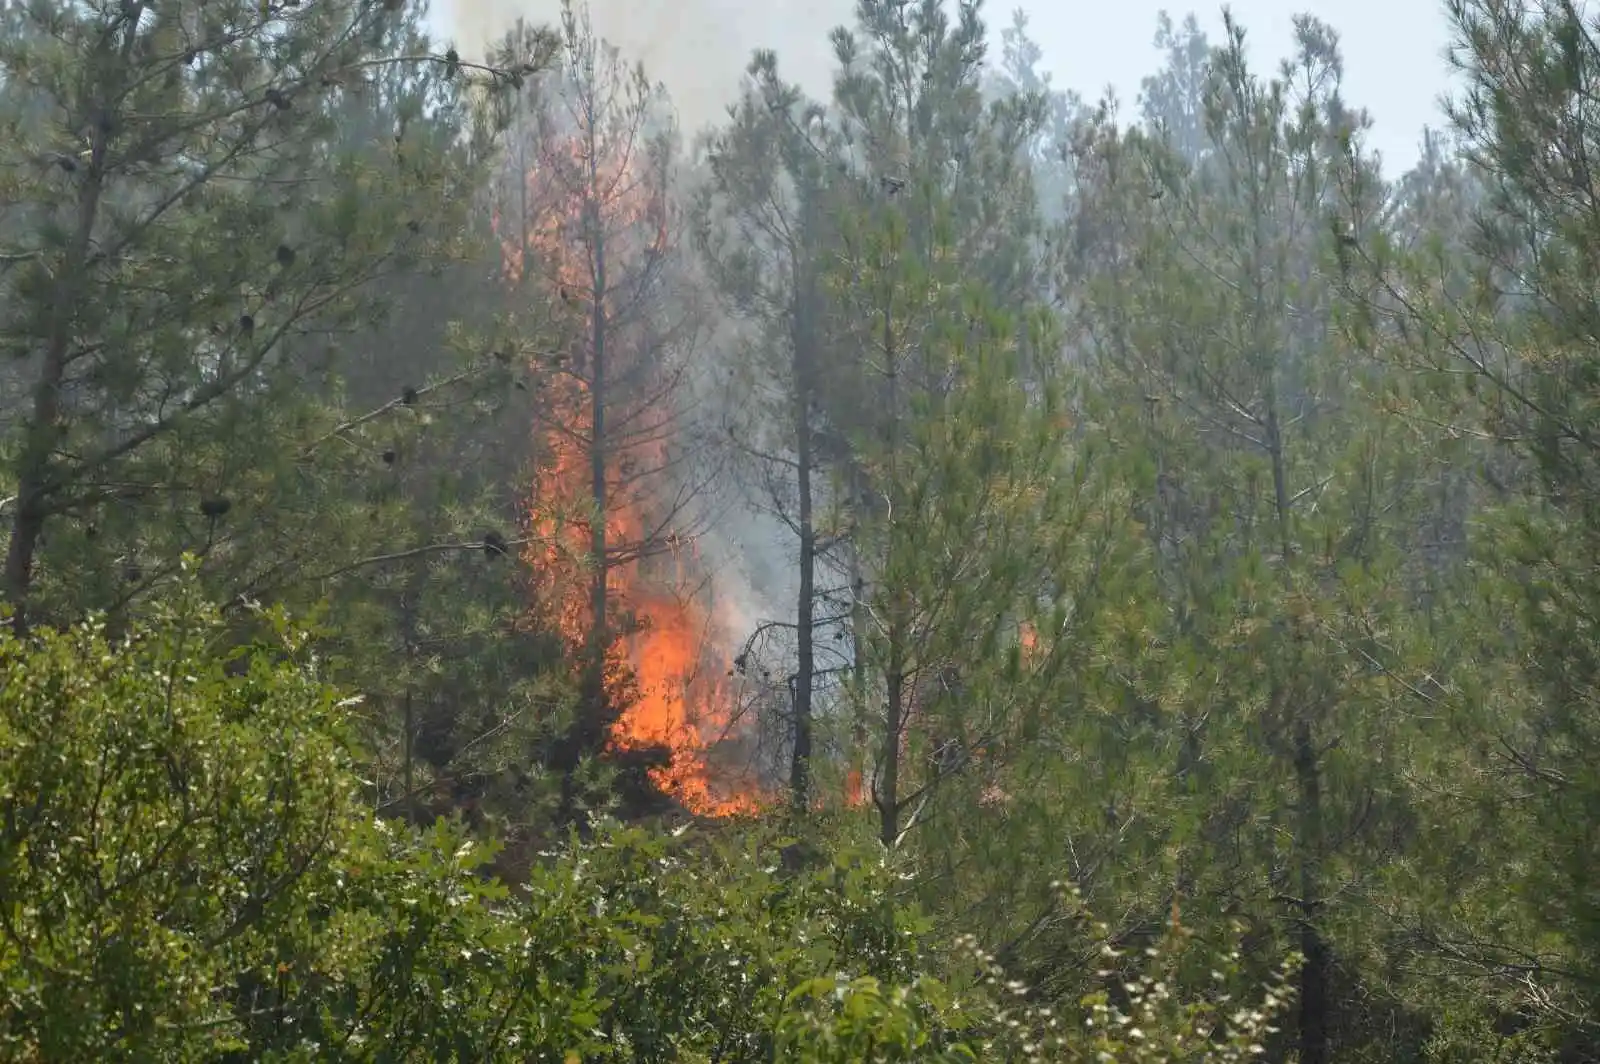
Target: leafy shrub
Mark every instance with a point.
(169, 819)
(188, 873)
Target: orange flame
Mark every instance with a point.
(855, 794)
(666, 668)
(1028, 637)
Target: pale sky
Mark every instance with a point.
(1393, 49)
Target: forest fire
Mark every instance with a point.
(588, 232)
(666, 666)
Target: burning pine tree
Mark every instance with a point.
(584, 223)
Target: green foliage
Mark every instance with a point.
(173, 817)
(1286, 660)
(1226, 550)
(1482, 297)
(228, 313)
(189, 876)
(173, 270)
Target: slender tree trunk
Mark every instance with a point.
(886, 789)
(1314, 973)
(1314, 988)
(588, 730)
(805, 615)
(44, 423)
(599, 634)
(410, 725)
(33, 474)
(1308, 842)
(408, 631)
(860, 734)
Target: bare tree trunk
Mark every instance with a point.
(886, 790)
(409, 605)
(409, 755)
(805, 615)
(860, 734)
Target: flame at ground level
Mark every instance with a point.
(667, 665)
(680, 703)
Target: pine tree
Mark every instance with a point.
(1274, 500)
(766, 231)
(940, 175)
(1493, 319)
(185, 235)
(972, 529)
(587, 221)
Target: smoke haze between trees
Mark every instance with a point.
(697, 48)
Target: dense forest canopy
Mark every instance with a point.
(948, 570)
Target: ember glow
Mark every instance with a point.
(667, 662)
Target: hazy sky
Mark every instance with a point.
(1393, 49)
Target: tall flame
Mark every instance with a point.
(666, 663)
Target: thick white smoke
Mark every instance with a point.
(697, 48)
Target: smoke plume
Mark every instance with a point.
(697, 48)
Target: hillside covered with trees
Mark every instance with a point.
(943, 571)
